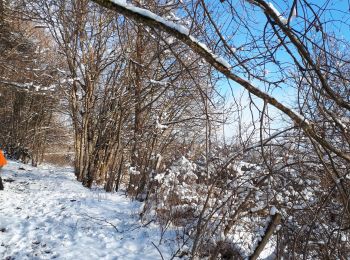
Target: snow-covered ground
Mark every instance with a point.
(46, 214)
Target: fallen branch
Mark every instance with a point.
(105, 221)
(276, 220)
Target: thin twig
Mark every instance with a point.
(158, 250)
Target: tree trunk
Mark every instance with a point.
(136, 153)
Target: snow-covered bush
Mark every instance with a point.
(177, 192)
(203, 201)
(224, 206)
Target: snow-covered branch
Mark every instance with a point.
(181, 33)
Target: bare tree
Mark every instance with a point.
(299, 47)
(28, 77)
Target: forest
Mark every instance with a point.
(228, 120)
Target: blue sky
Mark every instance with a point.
(336, 21)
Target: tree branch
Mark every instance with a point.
(181, 33)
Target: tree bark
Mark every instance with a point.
(276, 219)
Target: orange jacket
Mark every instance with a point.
(2, 159)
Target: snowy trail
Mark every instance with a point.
(46, 214)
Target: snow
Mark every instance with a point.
(233, 49)
(45, 214)
(278, 14)
(294, 12)
(156, 82)
(133, 171)
(159, 125)
(222, 61)
(219, 59)
(273, 210)
(151, 15)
